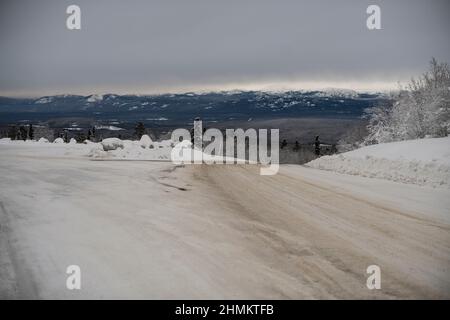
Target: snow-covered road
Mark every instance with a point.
(141, 229)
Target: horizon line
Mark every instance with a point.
(198, 92)
(274, 86)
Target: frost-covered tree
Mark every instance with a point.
(419, 110)
(380, 125)
(352, 139)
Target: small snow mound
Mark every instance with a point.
(113, 148)
(72, 141)
(183, 144)
(421, 162)
(43, 140)
(166, 144)
(96, 150)
(112, 144)
(145, 141)
(59, 140)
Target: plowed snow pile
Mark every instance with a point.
(422, 162)
(145, 149)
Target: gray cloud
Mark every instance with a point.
(167, 45)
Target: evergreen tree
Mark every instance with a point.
(31, 132)
(139, 130)
(23, 133)
(317, 146)
(80, 137)
(13, 132)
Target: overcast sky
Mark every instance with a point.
(190, 45)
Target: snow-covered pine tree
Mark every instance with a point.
(419, 110)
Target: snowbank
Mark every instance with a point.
(117, 149)
(144, 149)
(111, 144)
(146, 141)
(110, 148)
(422, 162)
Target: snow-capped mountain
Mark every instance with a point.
(227, 105)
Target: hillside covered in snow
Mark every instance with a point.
(422, 162)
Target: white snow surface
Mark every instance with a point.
(145, 149)
(146, 141)
(117, 149)
(422, 162)
(111, 144)
(155, 230)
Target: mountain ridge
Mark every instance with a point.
(220, 106)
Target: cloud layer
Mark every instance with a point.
(168, 45)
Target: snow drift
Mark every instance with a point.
(422, 162)
(144, 149)
(111, 144)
